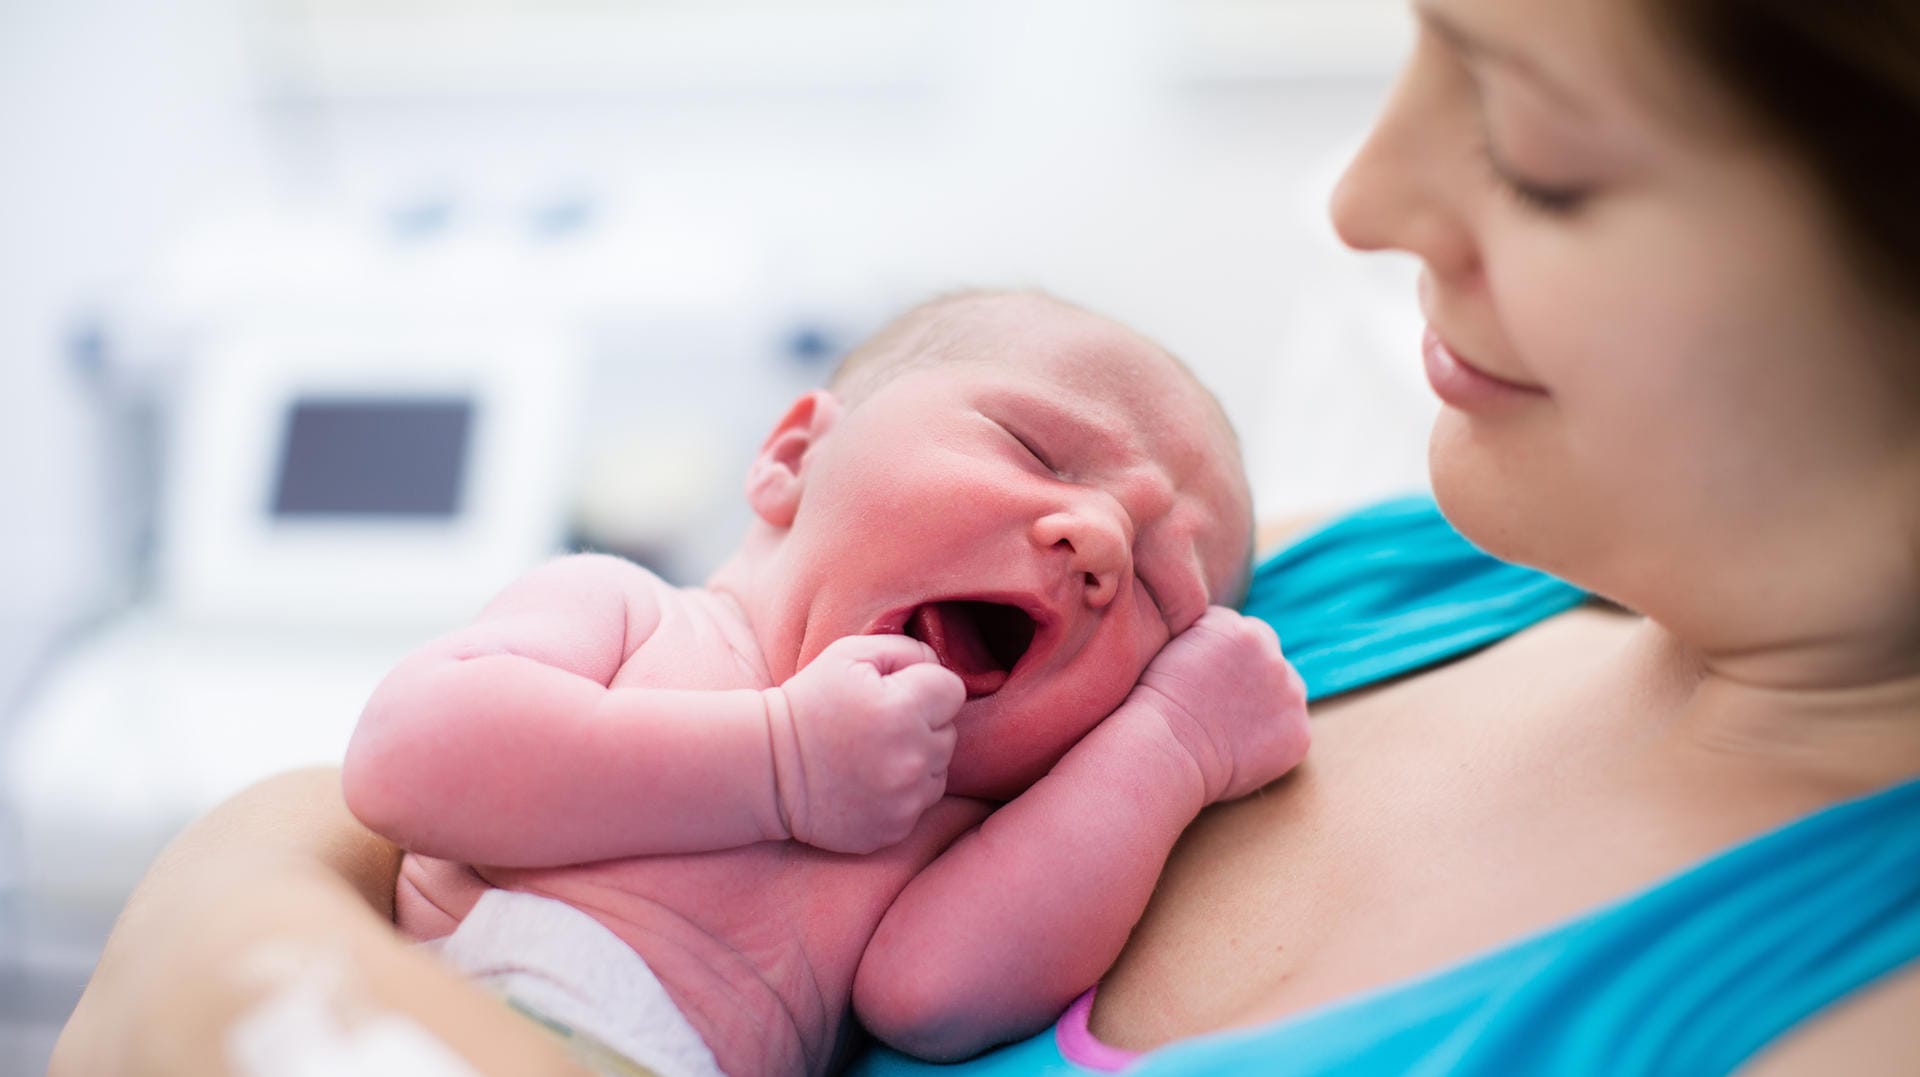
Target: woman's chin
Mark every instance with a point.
(1524, 505)
(1485, 492)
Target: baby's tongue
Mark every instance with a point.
(955, 637)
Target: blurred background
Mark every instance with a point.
(322, 319)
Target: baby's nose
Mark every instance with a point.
(1096, 546)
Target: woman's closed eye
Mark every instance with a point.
(1540, 197)
(1497, 107)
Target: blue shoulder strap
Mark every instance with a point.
(1390, 589)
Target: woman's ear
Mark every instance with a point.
(775, 479)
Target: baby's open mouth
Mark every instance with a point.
(980, 641)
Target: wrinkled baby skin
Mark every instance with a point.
(985, 589)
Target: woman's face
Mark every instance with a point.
(1661, 378)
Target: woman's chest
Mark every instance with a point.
(1433, 822)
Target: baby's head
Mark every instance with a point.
(1042, 495)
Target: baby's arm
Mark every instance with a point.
(501, 742)
(504, 744)
(993, 939)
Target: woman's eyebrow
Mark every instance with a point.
(1479, 48)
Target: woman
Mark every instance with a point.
(1671, 276)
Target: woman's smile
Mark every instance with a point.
(1462, 385)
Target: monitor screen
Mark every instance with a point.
(374, 456)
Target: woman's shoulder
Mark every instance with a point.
(1274, 533)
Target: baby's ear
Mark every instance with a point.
(774, 480)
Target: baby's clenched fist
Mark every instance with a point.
(1231, 701)
(861, 740)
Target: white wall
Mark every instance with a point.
(120, 122)
(1121, 153)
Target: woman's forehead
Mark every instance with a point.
(1609, 58)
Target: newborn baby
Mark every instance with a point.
(916, 753)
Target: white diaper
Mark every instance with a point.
(566, 969)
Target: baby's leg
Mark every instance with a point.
(433, 896)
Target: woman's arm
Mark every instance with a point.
(278, 897)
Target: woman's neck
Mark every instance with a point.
(1819, 712)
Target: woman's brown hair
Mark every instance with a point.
(1837, 82)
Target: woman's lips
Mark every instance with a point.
(1461, 385)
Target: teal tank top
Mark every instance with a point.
(1693, 976)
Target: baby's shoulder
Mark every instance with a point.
(597, 570)
(592, 589)
(693, 638)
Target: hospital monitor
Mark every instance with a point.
(373, 457)
(385, 473)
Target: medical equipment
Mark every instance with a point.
(366, 475)
(359, 433)
(332, 496)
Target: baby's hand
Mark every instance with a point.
(1230, 699)
(861, 740)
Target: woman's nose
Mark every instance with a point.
(1405, 188)
(1097, 544)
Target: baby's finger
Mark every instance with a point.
(945, 736)
(936, 788)
(890, 654)
(934, 683)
